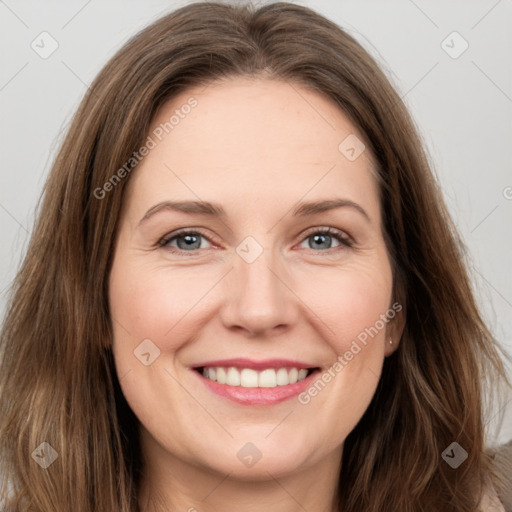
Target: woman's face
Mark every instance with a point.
(254, 168)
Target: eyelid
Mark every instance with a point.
(184, 231)
(344, 238)
(341, 235)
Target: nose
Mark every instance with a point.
(258, 299)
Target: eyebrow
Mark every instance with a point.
(215, 210)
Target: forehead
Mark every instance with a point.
(244, 138)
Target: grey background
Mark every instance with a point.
(462, 105)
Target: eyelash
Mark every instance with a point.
(345, 241)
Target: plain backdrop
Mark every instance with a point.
(450, 61)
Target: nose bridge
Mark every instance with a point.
(257, 299)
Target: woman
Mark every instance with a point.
(244, 290)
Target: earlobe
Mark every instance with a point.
(391, 346)
(394, 333)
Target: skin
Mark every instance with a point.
(256, 147)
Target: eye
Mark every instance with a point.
(185, 240)
(191, 241)
(322, 239)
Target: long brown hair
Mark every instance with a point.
(57, 380)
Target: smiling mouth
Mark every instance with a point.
(251, 378)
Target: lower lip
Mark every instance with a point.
(258, 396)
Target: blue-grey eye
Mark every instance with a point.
(185, 241)
(189, 241)
(321, 241)
(324, 240)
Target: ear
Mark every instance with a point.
(394, 329)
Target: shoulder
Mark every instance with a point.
(502, 477)
(491, 503)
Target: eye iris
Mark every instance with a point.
(191, 241)
(320, 238)
(185, 241)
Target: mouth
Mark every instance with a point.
(250, 378)
(256, 383)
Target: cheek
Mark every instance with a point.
(351, 301)
(149, 303)
(152, 303)
(353, 304)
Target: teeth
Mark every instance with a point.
(221, 375)
(233, 377)
(267, 379)
(249, 378)
(282, 377)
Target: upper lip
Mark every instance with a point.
(255, 365)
